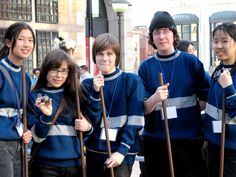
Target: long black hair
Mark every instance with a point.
(12, 34)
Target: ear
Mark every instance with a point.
(8, 43)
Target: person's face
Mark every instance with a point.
(224, 47)
(163, 38)
(36, 73)
(191, 49)
(105, 61)
(56, 77)
(23, 47)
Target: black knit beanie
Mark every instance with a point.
(162, 19)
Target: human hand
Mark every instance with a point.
(82, 124)
(45, 106)
(225, 79)
(27, 136)
(98, 82)
(114, 160)
(161, 93)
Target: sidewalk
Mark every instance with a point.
(136, 170)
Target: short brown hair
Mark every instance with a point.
(103, 42)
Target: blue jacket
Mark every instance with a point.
(9, 106)
(214, 112)
(124, 95)
(60, 145)
(187, 83)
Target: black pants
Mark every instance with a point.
(95, 167)
(49, 171)
(186, 155)
(214, 161)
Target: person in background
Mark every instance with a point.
(18, 44)
(185, 92)
(223, 81)
(59, 151)
(84, 73)
(36, 72)
(68, 45)
(123, 95)
(186, 46)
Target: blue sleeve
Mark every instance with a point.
(230, 101)
(142, 72)
(202, 80)
(37, 122)
(93, 109)
(135, 113)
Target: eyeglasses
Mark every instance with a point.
(164, 32)
(64, 72)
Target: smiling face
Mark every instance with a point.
(163, 39)
(23, 47)
(106, 61)
(56, 77)
(224, 47)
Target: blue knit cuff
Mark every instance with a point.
(123, 149)
(45, 119)
(229, 91)
(95, 95)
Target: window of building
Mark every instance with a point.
(47, 11)
(16, 10)
(45, 43)
(96, 19)
(187, 27)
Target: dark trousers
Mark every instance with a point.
(186, 155)
(11, 158)
(49, 171)
(214, 161)
(95, 166)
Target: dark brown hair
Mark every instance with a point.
(103, 42)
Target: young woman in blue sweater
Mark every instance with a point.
(18, 44)
(185, 92)
(123, 94)
(59, 151)
(223, 81)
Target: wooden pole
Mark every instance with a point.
(104, 117)
(167, 131)
(222, 145)
(80, 133)
(24, 120)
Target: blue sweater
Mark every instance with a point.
(188, 83)
(60, 146)
(8, 99)
(123, 94)
(214, 112)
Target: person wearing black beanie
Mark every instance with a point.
(185, 91)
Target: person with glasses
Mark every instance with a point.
(223, 81)
(59, 151)
(18, 45)
(185, 91)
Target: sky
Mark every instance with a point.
(142, 11)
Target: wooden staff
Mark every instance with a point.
(104, 117)
(24, 121)
(222, 145)
(80, 133)
(167, 131)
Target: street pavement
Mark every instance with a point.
(136, 170)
